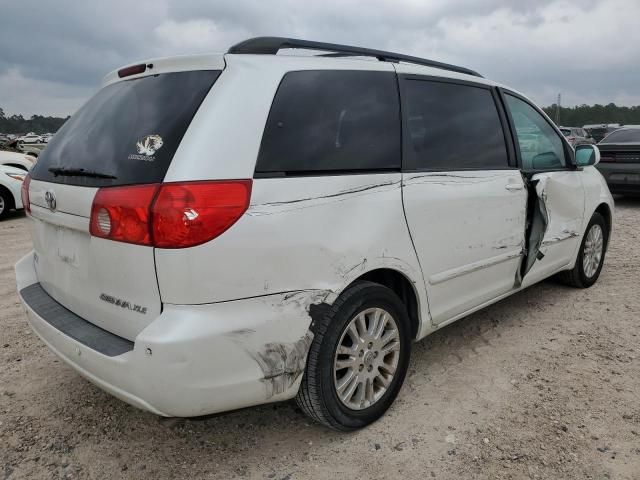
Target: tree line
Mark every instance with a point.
(37, 123)
(590, 114)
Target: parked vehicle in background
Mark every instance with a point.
(577, 136)
(4, 139)
(620, 160)
(346, 208)
(33, 150)
(17, 160)
(30, 138)
(10, 185)
(601, 130)
(46, 137)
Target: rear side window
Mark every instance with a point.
(332, 121)
(452, 126)
(129, 130)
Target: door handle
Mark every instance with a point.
(512, 187)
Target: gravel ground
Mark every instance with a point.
(545, 384)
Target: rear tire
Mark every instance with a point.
(585, 273)
(368, 329)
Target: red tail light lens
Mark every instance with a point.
(122, 213)
(24, 193)
(170, 215)
(189, 214)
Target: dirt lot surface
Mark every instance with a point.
(545, 384)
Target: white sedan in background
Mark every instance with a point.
(30, 138)
(10, 184)
(17, 160)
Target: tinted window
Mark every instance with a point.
(624, 136)
(332, 121)
(452, 126)
(129, 130)
(566, 132)
(541, 148)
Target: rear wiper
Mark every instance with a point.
(79, 172)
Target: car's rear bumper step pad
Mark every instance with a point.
(72, 325)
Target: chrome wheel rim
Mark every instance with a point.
(593, 247)
(366, 359)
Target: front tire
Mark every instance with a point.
(358, 359)
(590, 256)
(5, 204)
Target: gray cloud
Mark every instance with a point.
(54, 54)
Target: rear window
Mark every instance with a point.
(129, 130)
(623, 136)
(566, 132)
(332, 121)
(452, 126)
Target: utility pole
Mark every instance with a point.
(558, 111)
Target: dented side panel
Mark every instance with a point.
(468, 229)
(560, 217)
(299, 234)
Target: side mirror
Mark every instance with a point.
(587, 155)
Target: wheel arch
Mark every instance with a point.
(605, 210)
(402, 286)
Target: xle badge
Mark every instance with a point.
(123, 303)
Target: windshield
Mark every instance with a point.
(127, 133)
(624, 136)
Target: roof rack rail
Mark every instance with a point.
(271, 46)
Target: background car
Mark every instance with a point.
(30, 138)
(577, 136)
(10, 184)
(601, 130)
(620, 160)
(17, 160)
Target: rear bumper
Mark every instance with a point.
(622, 178)
(192, 359)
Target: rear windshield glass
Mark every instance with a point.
(624, 136)
(127, 133)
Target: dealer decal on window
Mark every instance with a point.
(147, 147)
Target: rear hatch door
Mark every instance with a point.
(126, 134)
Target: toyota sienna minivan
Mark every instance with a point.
(214, 232)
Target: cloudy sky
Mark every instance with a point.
(53, 54)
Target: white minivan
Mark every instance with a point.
(218, 231)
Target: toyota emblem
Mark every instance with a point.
(50, 198)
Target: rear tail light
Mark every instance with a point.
(24, 193)
(170, 215)
(122, 213)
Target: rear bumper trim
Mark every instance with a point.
(72, 325)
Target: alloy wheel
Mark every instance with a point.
(366, 358)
